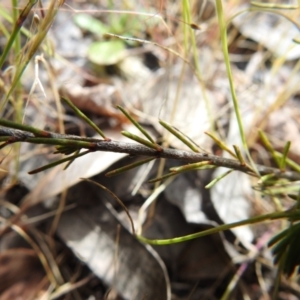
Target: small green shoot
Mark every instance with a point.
(268, 180)
(72, 160)
(239, 155)
(162, 177)
(221, 144)
(182, 137)
(269, 147)
(128, 167)
(141, 141)
(136, 124)
(284, 155)
(279, 188)
(82, 116)
(214, 181)
(58, 162)
(177, 170)
(191, 167)
(289, 162)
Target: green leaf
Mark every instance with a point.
(91, 24)
(106, 53)
(286, 249)
(136, 124)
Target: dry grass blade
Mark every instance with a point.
(118, 200)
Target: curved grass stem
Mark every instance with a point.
(220, 228)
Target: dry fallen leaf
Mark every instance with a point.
(20, 274)
(271, 30)
(100, 99)
(96, 236)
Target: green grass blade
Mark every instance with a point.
(223, 34)
(17, 26)
(220, 228)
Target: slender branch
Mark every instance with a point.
(15, 135)
(23, 135)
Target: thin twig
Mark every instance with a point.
(133, 149)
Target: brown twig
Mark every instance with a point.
(134, 149)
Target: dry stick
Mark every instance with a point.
(140, 150)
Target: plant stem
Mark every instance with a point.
(75, 142)
(257, 219)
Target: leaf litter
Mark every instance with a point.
(268, 96)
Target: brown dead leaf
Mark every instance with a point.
(20, 274)
(99, 99)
